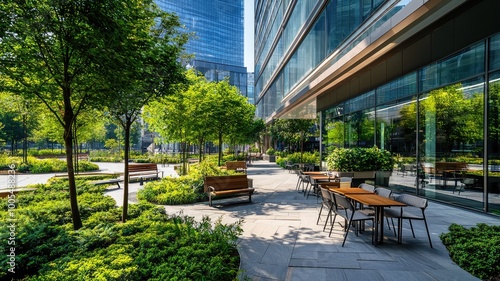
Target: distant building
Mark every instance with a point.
(218, 44)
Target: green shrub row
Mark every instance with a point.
(184, 189)
(297, 157)
(151, 245)
(475, 249)
(360, 159)
(38, 166)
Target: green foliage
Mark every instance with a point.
(184, 189)
(476, 249)
(270, 151)
(150, 246)
(38, 166)
(170, 191)
(359, 159)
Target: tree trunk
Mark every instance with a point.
(126, 157)
(68, 143)
(220, 147)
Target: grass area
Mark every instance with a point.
(151, 245)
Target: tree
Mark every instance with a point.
(230, 111)
(58, 51)
(292, 132)
(146, 64)
(182, 116)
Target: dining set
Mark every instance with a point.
(357, 205)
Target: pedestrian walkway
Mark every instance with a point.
(281, 240)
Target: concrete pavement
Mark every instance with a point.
(281, 240)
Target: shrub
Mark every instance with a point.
(150, 246)
(359, 159)
(476, 250)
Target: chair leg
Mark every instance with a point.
(428, 235)
(319, 215)
(346, 232)
(411, 226)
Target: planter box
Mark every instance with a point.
(382, 178)
(270, 158)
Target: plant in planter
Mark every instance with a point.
(361, 159)
(271, 154)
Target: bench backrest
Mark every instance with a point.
(142, 167)
(236, 165)
(226, 182)
(451, 166)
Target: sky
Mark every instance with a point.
(248, 39)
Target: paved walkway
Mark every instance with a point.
(281, 240)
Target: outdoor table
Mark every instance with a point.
(349, 190)
(378, 203)
(316, 173)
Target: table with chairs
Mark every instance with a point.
(370, 203)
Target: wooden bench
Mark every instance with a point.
(144, 171)
(238, 166)
(108, 181)
(227, 185)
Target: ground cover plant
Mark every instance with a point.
(151, 245)
(183, 189)
(37, 166)
(475, 249)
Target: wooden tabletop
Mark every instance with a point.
(373, 200)
(350, 190)
(316, 173)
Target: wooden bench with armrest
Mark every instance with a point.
(227, 186)
(144, 171)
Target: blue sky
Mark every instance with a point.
(248, 40)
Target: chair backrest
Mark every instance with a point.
(325, 194)
(412, 200)
(367, 187)
(384, 192)
(345, 179)
(343, 202)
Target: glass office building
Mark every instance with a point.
(218, 42)
(418, 78)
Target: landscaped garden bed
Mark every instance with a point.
(151, 245)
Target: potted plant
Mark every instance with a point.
(270, 155)
(371, 164)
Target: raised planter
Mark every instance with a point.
(382, 178)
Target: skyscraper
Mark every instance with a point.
(218, 42)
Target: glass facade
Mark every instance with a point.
(218, 37)
(283, 58)
(433, 119)
(438, 114)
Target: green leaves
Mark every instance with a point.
(359, 159)
(475, 249)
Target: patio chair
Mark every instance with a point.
(345, 209)
(290, 166)
(367, 187)
(326, 203)
(303, 180)
(414, 210)
(345, 181)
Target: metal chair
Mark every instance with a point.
(345, 209)
(414, 210)
(327, 203)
